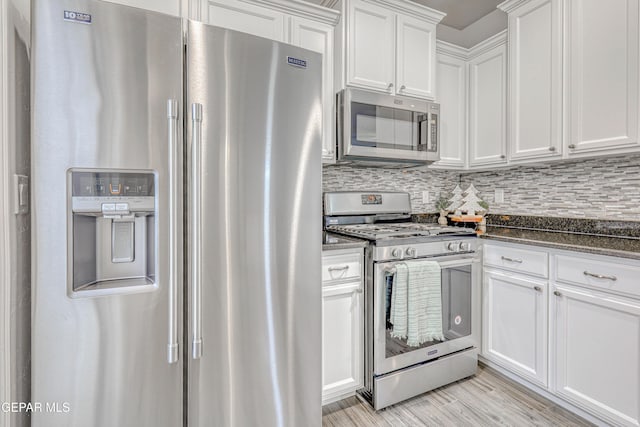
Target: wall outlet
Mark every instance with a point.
(425, 197)
(498, 195)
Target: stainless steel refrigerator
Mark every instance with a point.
(177, 210)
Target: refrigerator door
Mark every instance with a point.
(107, 87)
(254, 149)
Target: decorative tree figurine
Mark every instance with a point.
(471, 203)
(456, 199)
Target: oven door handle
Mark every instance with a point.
(458, 262)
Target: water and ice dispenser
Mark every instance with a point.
(113, 229)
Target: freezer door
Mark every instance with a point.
(255, 225)
(107, 94)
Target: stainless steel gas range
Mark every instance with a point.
(395, 370)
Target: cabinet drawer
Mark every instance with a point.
(600, 274)
(526, 261)
(341, 267)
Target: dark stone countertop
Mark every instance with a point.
(331, 241)
(618, 246)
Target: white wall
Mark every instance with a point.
(14, 229)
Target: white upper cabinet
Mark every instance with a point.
(370, 62)
(247, 18)
(318, 36)
(170, 7)
(389, 46)
(416, 54)
(488, 104)
(451, 94)
(535, 78)
(602, 73)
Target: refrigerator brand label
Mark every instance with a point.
(83, 18)
(296, 62)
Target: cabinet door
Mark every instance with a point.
(602, 60)
(342, 340)
(451, 91)
(240, 16)
(487, 104)
(415, 57)
(515, 324)
(370, 59)
(597, 352)
(170, 7)
(535, 80)
(318, 37)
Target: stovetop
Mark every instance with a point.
(401, 230)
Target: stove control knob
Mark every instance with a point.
(453, 247)
(411, 252)
(465, 246)
(396, 253)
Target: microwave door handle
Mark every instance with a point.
(425, 135)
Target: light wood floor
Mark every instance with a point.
(487, 399)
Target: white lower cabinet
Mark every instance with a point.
(596, 349)
(515, 324)
(589, 338)
(342, 325)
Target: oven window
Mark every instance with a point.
(456, 310)
(384, 127)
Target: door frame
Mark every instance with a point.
(5, 274)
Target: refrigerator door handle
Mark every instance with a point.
(196, 233)
(174, 156)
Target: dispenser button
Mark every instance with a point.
(122, 206)
(108, 207)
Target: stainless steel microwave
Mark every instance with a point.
(378, 128)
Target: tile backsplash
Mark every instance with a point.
(412, 180)
(600, 188)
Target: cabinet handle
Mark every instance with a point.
(600, 276)
(344, 267)
(552, 148)
(502, 156)
(358, 291)
(556, 293)
(518, 261)
(390, 86)
(572, 146)
(537, 288)
(403, 87)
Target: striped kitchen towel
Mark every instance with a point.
(424, 303)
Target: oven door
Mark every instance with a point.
(460, 288)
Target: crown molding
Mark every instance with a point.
(453, 50)
(416, 10)
(300, 8)
(330, 4)
(488, 44)
(511, 5)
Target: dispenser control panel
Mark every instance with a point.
(112, 192)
